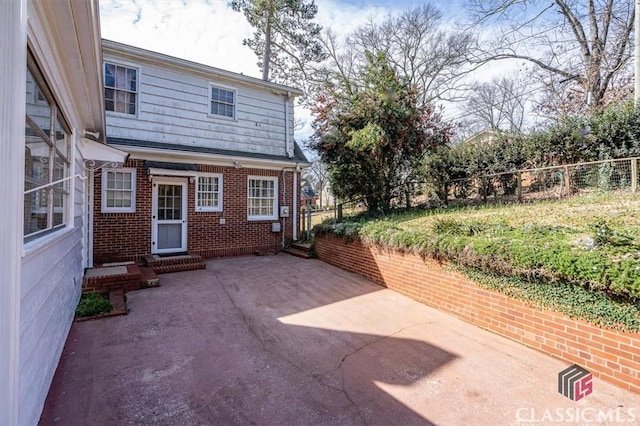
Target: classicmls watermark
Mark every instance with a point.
(577, 415)
(575, 382)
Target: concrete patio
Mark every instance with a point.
(282, 340)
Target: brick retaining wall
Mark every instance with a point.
(611, 355)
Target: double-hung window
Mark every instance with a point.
(120, 88)
(223, 102)
(262, 200)
(209, 193)
(119, 190)
(47, 159)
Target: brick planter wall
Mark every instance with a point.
(611, 355)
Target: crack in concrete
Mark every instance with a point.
(315, 377)
(373, 342)
(257, 337)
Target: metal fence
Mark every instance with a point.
(549, 182)
(523, 185)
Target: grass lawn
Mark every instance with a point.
(580, 256)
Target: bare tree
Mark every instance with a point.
(559, 98)
(586, 43)
(497, 105)
(417, 46)
(318, 176)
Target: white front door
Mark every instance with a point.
(169, 215)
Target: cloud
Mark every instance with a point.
(211, 33)
(205, 32)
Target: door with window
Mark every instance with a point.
(169, 216)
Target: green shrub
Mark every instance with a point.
(92, 304)
(594, 306)
(560, 242)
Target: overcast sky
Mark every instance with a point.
(209, 32)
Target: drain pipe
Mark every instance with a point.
(284, 200)
(295, 202)
(287, 142)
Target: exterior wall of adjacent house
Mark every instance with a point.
(173, 106)
(40, 277)
(13, 39)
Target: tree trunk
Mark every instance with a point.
(266, 59)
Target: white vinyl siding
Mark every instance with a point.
(262, 198)
(209, 193)
(119, 191)
(174, 107)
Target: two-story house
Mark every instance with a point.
(213, 167)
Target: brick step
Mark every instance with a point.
(124, 277)
(301, 246)
(184, 262)
(149, 278)
(153, 260)
(179, 267)
(118, 302)
(294, 251)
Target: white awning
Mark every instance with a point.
(100, 153)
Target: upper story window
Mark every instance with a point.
(262, 198)
(209, 193)
(223, 102)
(120, 88)
(119, 190)
(47, 159)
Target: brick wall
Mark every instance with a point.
(123, 236)
(127, 236)
(611, 355)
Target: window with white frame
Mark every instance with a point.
(262, 199)
(223, 102)
(120, 88)
(47, 159)
(119, 190)
(209, 193)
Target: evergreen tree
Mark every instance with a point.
(285, 40)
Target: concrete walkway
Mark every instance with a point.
(281, 340)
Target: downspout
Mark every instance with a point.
(284, 200)
(287, 141)
(295, 202)
(90, 201)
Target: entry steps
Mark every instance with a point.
(303, 250)
(131, 275)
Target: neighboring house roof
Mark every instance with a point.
(171, 61)
(131, 145)
(482, 137)
(306, 189)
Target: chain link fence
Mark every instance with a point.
(519, 186)
(548, 182)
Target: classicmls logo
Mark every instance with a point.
(575, 382)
